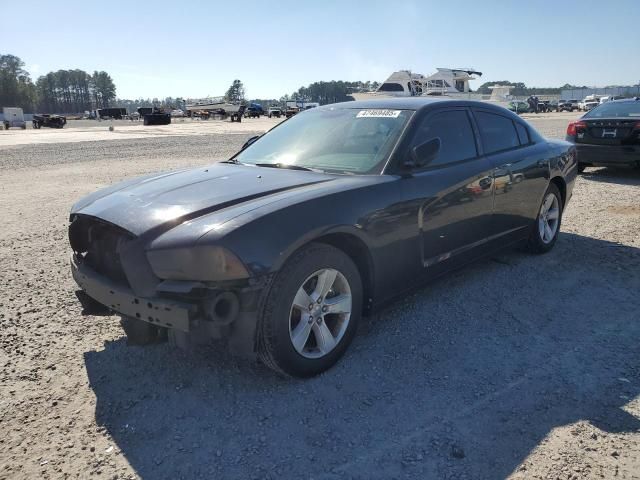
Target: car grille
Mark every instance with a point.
(99, 244)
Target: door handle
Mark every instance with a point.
(505, 166)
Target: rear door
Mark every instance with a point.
(521, 171)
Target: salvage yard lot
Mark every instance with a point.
(518, 365)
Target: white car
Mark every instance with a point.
(177, 113)
(610, 98)
(586, 106)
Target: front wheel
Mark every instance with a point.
(311, 312)
(544, 232)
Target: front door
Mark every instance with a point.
(454, 191)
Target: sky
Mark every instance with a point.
(195, 49)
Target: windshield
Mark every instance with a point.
(615, 109)
(340, 140)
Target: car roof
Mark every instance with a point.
(624, 100)
(414, 103)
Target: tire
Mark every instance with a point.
(142, 333)
(280, 318)
(537, 243)
(581, 167)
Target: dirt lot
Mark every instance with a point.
(518, 366)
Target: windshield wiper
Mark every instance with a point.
(283, 165)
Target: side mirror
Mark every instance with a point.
(249, 142)
(423, 154)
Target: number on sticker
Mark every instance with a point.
(378, 114)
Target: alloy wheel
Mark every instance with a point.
(320, 313)
(549, 218)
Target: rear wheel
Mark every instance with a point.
(311, 312)
(544, 232)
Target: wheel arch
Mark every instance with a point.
(562, 186)
(354, 247)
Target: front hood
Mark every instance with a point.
(165, 200)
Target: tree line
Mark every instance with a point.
(333, 91)
(63, 91)
(519, 89)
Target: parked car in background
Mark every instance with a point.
(589, 105)
(567, 105)
(283, 247)
(518, 106)
(589, 102)
(275, 112)
(291, 111)
(177, 113)
(610, 98)
(552, 105)
(254, 111)
(46, 120)
(543, 106)
(13, 117)
(608, 135)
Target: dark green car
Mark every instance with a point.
(518, 106)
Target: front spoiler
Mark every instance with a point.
(161, 312)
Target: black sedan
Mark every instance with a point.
(282, 248)
(608, 135)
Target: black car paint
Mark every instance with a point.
(596, 147)
(402, 227)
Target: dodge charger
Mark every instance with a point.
(281, 249)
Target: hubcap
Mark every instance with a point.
(549, 218)
(320, 313)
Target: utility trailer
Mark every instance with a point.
(237, 116)
(115, 113)
(154, 116)
(13, 117)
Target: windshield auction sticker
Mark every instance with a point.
(378, 114)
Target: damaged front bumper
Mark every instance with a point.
(191, 322)
(120, 299)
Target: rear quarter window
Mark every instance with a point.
(523, 134)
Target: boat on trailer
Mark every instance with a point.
(213, 104)
(449, 82)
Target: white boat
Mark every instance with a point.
(212, 104)
(450, 82)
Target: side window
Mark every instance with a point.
(497, 132)
(523, 134)
(453, 128)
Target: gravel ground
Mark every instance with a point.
(517, 366)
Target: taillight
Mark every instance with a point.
(636, 126)
(573, 128)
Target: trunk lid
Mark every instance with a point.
(615, 131)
